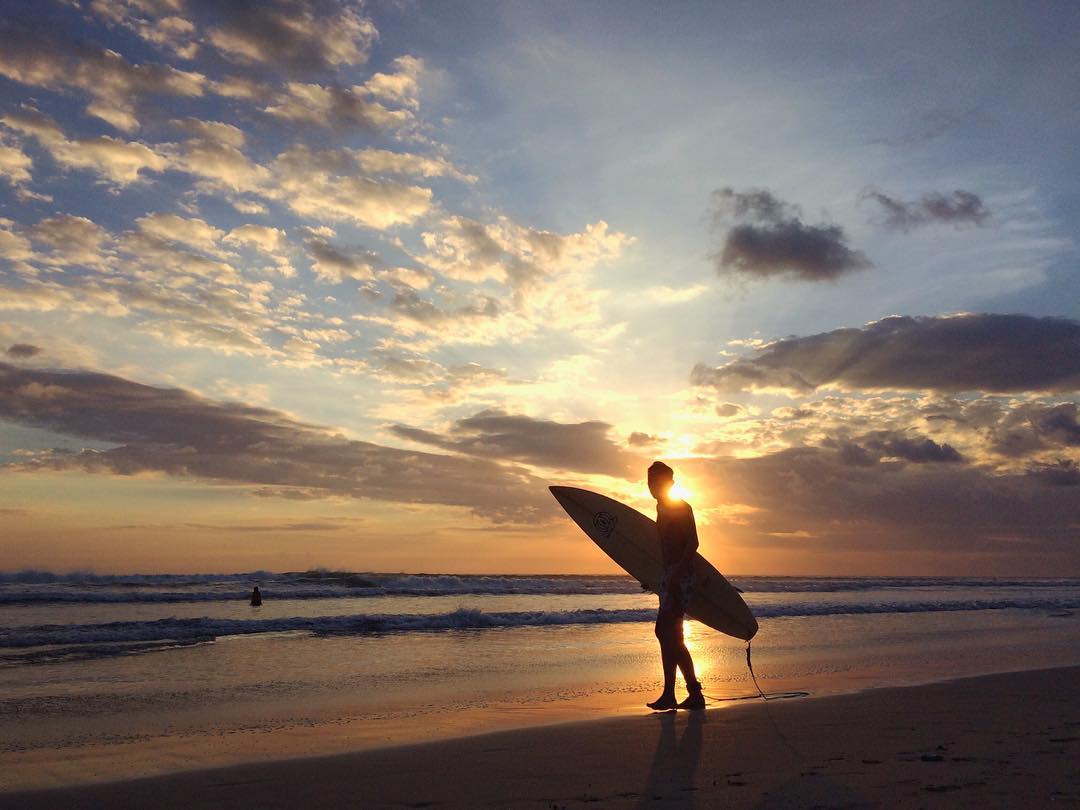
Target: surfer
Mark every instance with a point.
(256, 597)
(678, 544)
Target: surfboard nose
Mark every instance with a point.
(561, 495)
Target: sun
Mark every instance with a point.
(679, 493)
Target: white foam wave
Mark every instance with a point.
(202, 629)
(42, 587)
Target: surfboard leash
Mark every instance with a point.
(753, 677)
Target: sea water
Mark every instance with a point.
(114, 676)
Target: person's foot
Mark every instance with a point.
(663, 703)
(694, 700)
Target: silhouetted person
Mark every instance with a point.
(678, 544)
(256, 597)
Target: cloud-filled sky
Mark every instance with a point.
(289, 284)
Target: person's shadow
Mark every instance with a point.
(675, 762)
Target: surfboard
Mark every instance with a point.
(630, 539)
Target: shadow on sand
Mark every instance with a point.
(675, 762)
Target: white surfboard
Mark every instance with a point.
(631, 540)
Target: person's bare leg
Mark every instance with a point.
(669, 658)
(686, 665)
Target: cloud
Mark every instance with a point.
(319, 185)
(968, 352)
(766, 237)
(22, 351)
(360, 106)
(46, 296)
(385, 162)
(958, 209)
(153, 20)
(1064, 473)
(217, 131)
(502, 250)
(401, 85)
(580, 447)
(214, 153)
(195, 232)
(474, 320)
(871, 448)
(638, 439)
(334, 265)
(264, 238)
(73, 240)
(14, 246)
(1058, 423)
(176, 432)
(38, 58)
(120, 162)
(937, 509)
(15, 164)
(170, 274)
(547, 276)
(291, 35)
(336, 107)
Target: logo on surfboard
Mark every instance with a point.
(604, 523)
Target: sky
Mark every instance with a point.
(292, 284)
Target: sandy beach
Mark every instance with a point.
(1007, 740)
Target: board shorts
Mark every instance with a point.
(675, 599)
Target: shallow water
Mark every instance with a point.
(101, 688)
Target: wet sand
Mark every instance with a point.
(1007, 740)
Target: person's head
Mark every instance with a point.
(661, 479)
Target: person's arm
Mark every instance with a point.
(686, 561)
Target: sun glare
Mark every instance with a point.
(679, 493)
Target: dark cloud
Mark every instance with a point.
(334, 264)
(638, 439)
(299, 35)
(1059, 424)
(871, 448)
(1064, 473)
(21, 351)
(767, 237)
(411, 306)
(855, 455)
(937, 509)
(581, 446)
(178, 433)
(727, 409)
(37, 55)
(918, 451)
(1034, 426)
(959, 208)
(972, 352)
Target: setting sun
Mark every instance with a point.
(679, 492)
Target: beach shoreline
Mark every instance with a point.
(978, 741)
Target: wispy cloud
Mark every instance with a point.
(958, 209)
(173, 431)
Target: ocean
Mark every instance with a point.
(104, 676)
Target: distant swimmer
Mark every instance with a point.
(678, 544)
(256, 597)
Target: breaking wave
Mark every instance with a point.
(42, 587)
(182, 631)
